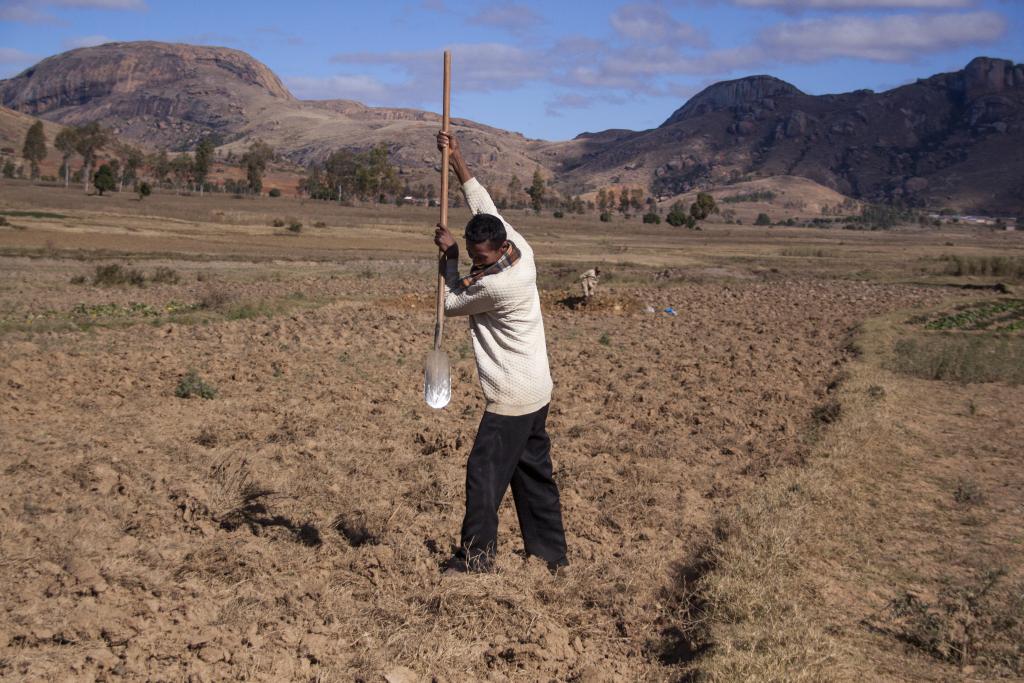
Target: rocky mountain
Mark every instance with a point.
(954, 139)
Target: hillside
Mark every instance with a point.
(954, 139)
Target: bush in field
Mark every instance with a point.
(165, 275)
(558, 214)
(274, 192)
(277, 222)
(295, 226)
(114, 274)
(605, 217)
(193, 385)
(144, 190)
(652, 218)
(763, 219)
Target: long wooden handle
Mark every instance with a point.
(445, 110)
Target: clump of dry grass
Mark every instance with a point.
(1011, 267)
(961, 358)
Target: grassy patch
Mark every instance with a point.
(961, 358)
(1011, 267)
(1005, 314)
(813, 252)
(32, 214)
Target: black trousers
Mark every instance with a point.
(512, 450)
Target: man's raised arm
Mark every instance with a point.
(477, 197)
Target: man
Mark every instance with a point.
(512, 446)
(589, 280)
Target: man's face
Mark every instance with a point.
(482, 254)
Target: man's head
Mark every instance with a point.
(597, 271)
(485, 235)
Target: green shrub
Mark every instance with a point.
(763, 219)
(652, 218)
(277, 223)
(144, 190)
(274, 192)
(558, 214)
(193, 385)
(295, 226)
(605, 217)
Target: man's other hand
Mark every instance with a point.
(444, 241)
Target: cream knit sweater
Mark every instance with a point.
(505, 321)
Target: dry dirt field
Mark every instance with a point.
(291, 525)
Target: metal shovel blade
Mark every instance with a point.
(437, 380)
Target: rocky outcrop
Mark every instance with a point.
(134, 87)
(730, 95)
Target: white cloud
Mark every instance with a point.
(85, 41)
(32, 11)
(514, 18)
(480, 67)
(101, 4)
(890, 38)
(12, 55)
(651, 23)
(22, 11)
(360, 88)
(856, 4)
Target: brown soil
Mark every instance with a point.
(291, 527)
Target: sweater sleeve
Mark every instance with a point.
(459, 300)
(479, 201)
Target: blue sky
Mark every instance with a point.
(547, 69)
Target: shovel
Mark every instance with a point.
(437, 375)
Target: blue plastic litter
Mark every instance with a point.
(670, 311)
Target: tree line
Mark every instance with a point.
(345, 175)
(125, 166)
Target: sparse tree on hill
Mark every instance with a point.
(183, 169)
(115, 166)
(105, 179)
(515, 191)
(602, 200)
(536, 191)
(132, 160)
(624, 201)
(160, 165)
(67, 142)
(255, 162)
(204, 158)
(703, 207)
(636, 197)
(90, 139)
(35, 147)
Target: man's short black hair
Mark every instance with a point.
(484, 227)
